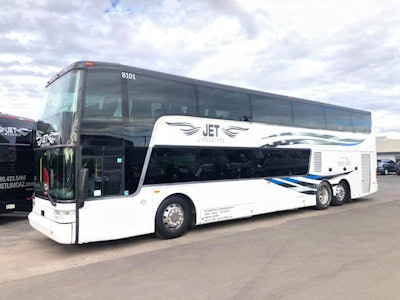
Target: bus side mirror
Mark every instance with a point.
(83, 185)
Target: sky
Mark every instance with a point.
(343, 52)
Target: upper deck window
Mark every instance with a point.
(272, 110)
(361, 121)
(338, 119)
(150, 98)
(308, 115)
(103, 98)
(223, 104)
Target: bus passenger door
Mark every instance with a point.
(111, 212)
(104, 185)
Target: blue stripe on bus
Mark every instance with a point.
(312, 191)
(274, 181)
(313, 176)
(285, 181)
(291, 179)
(300, 182)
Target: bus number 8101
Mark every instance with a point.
(128, 75)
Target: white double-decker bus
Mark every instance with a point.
(122, 151)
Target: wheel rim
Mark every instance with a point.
(323, 195)
(340, 193)
(173, 216)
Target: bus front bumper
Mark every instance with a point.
(61, 233)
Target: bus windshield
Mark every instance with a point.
(55, 173)
(59, 111)
(61, 95)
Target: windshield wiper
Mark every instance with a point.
(51, 199)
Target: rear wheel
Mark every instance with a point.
(324, 196)
(342, 194)
(386, 172)
(173, 218)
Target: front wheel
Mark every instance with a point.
(173, 218)
(324, 196)
(342, 194)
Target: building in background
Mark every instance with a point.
(388, 148)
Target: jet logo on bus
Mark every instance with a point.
(211, 132)
(48, 139)
(13, 131)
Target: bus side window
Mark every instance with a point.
(308, 115)
(258, 157)
(102, 99)
(169, 165)
(283, 162)
(134, 160)
(162, 96)
(156, 168)
(94, 166)
(272, 110)
(223, 104)
(241, 163)
(210, 164)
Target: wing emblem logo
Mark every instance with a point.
(210, 130)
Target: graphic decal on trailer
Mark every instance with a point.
(308, 138)
(210, 130)
(186, 128)
(306, 184)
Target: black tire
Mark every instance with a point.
(324, 196)
(173, 218)
(386, 172)
(342, 194)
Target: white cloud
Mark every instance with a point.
(14, 58)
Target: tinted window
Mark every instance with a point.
(272, 110)
(151, 98)
(361, 121)
(104, 157)
(222, 104)
(240, 163)
(169, 165)
(172, 165)
(102, 100)
(308, 115)
(134, 160)
(220, 163)
(283, 162)
(338, 119)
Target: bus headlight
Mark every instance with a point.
(63, 215)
